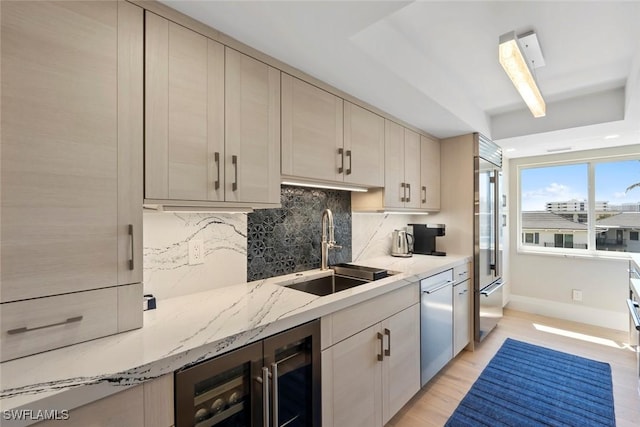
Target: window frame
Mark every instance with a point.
(591, 250)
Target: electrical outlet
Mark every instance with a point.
(576, 295)
(196, 252)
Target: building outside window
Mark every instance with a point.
(559, 210)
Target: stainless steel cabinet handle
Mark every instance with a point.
(436, 288)
(348, 172)
(409, 191)
(504, 220)
(495, 287)
(633, 306)
(404, 192)
(424, 194)
(25, 329)
(216, 158)
(387, 352)
(381, 355)
(341, 154)
(234, 161)
(274, 392)
(463, 292)
(504, 200)
(131, 263)
(265, 395)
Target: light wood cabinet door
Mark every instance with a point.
(312, 131)
(412, 168)
(461, 315)
(125, 408)
(357, 393)
(363, 146)
(394, 188)
(401, 366)
(430, 174)
(184, 113)
(62, 135)
(252, 123)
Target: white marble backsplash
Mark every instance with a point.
(167, 272)
(371, 232)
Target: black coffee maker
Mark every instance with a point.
(424, 238)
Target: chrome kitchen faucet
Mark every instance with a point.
(328, 242)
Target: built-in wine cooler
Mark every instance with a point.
(271, 383)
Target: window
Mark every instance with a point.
(568, 240)
(558, 208)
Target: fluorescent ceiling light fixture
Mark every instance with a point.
(557, 150)
(517, 68)
(322, 185)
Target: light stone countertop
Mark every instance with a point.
(188, 329)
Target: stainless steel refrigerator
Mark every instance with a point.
(488, 281)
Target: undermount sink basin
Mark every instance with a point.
(327, 285)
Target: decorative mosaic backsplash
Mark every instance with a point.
(286, 240)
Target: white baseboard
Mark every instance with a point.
(576, 313)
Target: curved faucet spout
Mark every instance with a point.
(328, 238)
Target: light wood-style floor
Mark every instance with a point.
(433, 405)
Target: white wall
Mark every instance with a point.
(543, 284)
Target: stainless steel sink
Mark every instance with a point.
(328, 285)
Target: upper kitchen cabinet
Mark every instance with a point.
(408, 176)
(327, 139)
(72, 147)
(402, 167)
(363, 160)
(312, 131)
(184, 99)
(252, 127)
(430, 174)
(212, 121)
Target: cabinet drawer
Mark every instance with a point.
(461, 273)
(354, 319)
(41, 324)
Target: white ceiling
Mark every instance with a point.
(434, 64)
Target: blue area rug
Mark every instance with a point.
(529, 385)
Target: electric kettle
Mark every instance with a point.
(401, 243)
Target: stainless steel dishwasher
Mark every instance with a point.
(436, 324)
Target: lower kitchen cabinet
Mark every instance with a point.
(461, 308)
(146, 405)
(369, 376)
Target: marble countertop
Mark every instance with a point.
(188, 329)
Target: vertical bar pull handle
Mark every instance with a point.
(265, 396)
(409, 191)
(348, 172)
(404, 192)
(381, 355)
(424, 194)
(131, 243)
(387, 332)
(216, 158)
(341, 154)
(274, 393)
(234, 162)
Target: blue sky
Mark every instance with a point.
(567, 182)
